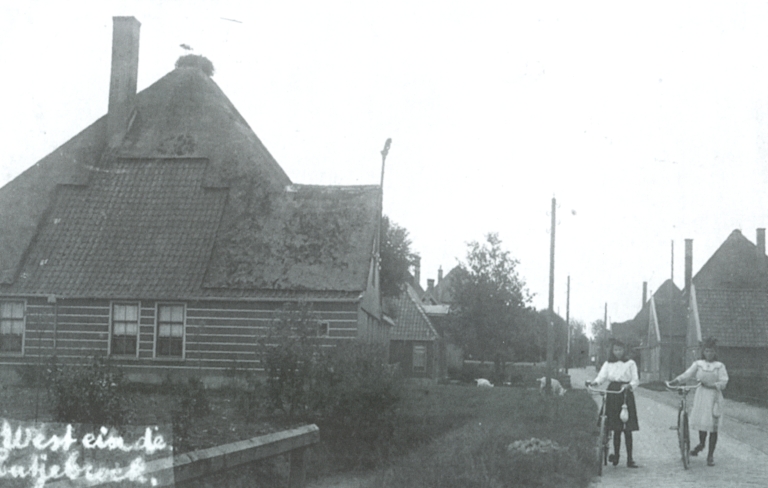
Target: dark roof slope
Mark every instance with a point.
(671, 310)
(736, 318)
(138, 229)
(411, 323)
(190, 201)
(737, 264)
(23, 200)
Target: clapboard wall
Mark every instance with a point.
(219, 335)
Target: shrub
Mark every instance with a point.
(356, 394)
(289, 352)
(191, 402)
(92, 394)
(38, 374)
(350, 391)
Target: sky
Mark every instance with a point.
(647, 121)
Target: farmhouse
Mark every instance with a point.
(664, 320)
(165, 235)
(728, 300)
(415, 344)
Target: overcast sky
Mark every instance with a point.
(647, 121)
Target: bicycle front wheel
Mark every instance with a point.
(683, 438)
(602, 441)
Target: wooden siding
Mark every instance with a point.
(218, 334)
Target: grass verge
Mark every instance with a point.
(457, 436)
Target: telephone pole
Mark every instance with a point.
(568, 325)
(551, 324)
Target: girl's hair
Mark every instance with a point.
(709, 343)
(612, 357)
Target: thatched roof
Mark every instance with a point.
(190, 202)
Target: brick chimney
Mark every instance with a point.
(645, 294)
(439, 275)
(688, 266)
(417, 270)
(431, 286)
(125, 71)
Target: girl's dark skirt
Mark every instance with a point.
(613, 408)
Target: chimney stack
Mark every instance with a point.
(645, 293)
(688, 266)
(430, 285)
(125, 71)
(417, 270)
(761, 242)
(439, 275)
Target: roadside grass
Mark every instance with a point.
(458, 436)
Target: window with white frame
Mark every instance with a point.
(170, 331)
(11, 326)
(420, 359)
(125, 329)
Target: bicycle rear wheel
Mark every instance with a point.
(687, 441)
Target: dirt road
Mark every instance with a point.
(740, 458)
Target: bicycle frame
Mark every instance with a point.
(604, 438)
(683, 431)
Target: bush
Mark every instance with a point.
(191, 402)
(92, 394)
(38, 374)
(289, 353)
(349, 390)
(356, 394)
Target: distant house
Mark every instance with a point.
(442, 292)
(728, 300)
(414, 344)
(436, 301)
(664, 344)
(165, 236)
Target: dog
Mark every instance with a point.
(483, 383)
(557, 388)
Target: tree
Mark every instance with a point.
(490, 318)
(396, 257)
(601, 337)
(579, 357)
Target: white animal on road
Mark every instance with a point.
(557, 388)
(483, 382)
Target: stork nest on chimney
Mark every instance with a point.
(196, 61)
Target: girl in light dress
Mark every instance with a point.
(621, 373)
(708, 401)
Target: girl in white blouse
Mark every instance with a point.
(621, 373)
(706, 410)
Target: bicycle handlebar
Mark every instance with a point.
(595, 390)
(684, 388)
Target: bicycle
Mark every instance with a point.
(683, 431)
(603, 438)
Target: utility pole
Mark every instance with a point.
(568, 325)
(384, 153)
(551, 324)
